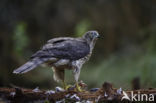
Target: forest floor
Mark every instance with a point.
(104, 94)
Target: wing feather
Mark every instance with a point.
(66, 48)
(54, 40)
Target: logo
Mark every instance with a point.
(125, 96)
(138, 97)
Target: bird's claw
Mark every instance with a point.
(78, 88)
(67, 87)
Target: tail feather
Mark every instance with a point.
(29, 66)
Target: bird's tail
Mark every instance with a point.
(29, 65)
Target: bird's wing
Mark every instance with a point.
(65, 48)
(60, 39)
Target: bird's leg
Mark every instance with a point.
(65, 86)
(78, 87)
(76, 76)
(59, 76)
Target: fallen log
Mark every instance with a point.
(105, 93)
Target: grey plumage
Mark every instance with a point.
(31, 64)
(64, 49)
(63, 53)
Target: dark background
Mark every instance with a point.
(126, 49)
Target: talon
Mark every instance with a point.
(65, 86)
(78, 88)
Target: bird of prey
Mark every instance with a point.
(63, 53)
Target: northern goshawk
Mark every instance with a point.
(63, 53)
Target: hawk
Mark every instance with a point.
(63, 53)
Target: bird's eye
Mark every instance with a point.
(94, 34)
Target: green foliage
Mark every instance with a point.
(121, 70)
(82, 27)
(151, 44)
(20, 38)
(46, 101)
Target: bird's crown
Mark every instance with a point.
(91, 35)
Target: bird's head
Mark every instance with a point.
(91, 37)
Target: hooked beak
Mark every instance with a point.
(98, 36)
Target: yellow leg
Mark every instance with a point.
(65, 86)
(78, 88)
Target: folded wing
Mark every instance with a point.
(64, 49)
